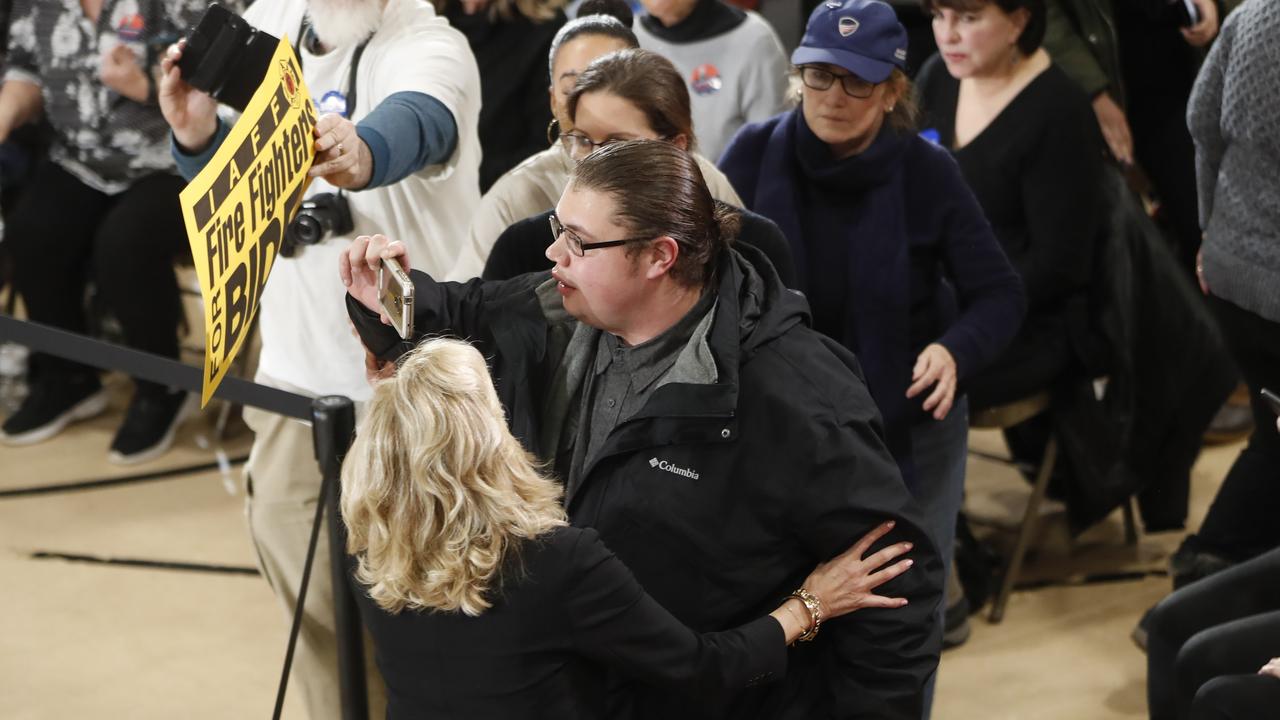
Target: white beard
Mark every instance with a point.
(344, 23)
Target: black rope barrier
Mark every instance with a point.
(333, 427)
(99, 483)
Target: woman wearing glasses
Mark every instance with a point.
(536, 184)
(628, 95)
(889, 244)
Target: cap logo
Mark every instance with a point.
(833, 5)
(901, 54)
(848, 26)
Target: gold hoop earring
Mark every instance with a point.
(553, 131)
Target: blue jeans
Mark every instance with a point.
(940, 450)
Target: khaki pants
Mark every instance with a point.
(283, 486)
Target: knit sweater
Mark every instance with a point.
(1234, 117)
(735, 76)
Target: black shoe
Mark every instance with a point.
(1140, 631)
(53, 404)
(1193, 561)
(149, 426)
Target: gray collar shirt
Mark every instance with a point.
(622, 378)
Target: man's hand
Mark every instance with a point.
(191, 113)
(1203, 32)
(937, 369)
(121, 72)
(342, 158)
(358, 268)
(1115, 127)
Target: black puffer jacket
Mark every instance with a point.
(721, 498)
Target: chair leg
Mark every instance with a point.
(1130, 524)
(1029, 521)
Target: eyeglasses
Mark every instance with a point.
(579, 146)
(575, 243)
(819, 79)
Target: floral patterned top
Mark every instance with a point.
(103, 138)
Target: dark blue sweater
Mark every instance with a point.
(960, 290)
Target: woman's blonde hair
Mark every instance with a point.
(437, 495)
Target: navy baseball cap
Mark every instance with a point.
(861, 36)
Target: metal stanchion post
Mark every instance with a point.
(333, 427)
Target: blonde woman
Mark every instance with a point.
(483, 602)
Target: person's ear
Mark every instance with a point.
(661, 256)
(681, 141)
(892, 94)
(1020, 18)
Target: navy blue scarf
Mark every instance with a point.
(859, 201)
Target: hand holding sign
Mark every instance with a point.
(342, 158)
(237, 208)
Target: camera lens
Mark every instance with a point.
(308, 229)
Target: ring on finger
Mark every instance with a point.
(339, 148)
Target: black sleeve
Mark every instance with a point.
(614, 620)
(767, 237)
(520, 249)
(1062, 201)
(992, 300)
(740, 161)
(877, 660)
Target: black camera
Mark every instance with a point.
(227, 57)
(320, 216)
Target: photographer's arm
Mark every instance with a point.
(358, 156)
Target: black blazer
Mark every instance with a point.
(522, 247)
(567, 612)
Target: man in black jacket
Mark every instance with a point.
(719, 445)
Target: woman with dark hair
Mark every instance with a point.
(890, 246)
(1027, 143)
(535, 185)
(629, 95)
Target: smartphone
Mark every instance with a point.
(1272, 399)
(395, 294)
(226, 56)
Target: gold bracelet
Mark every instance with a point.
(814, 606)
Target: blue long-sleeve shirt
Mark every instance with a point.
(419, 127)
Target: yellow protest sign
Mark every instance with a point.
(237, 208)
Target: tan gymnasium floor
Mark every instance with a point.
(92, 640)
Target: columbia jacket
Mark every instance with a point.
(722, 497)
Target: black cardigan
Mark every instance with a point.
(568, 612)
(1037, 171)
